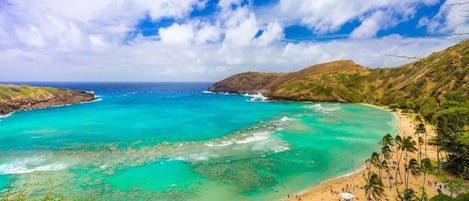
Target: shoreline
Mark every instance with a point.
(330, 189)
(96, 99)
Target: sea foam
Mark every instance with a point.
(5, 116)
(320, 108)
(222, 144)
(256, 97)
(254, 138)
(28, 165)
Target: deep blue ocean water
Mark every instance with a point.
(175, 141)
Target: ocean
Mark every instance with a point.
(176, 141)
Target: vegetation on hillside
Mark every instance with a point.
(399, 159)
(435, 87)
(339, 81)
(8, 92)
(22, 97)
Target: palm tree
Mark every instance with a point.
(420, 129)
(398, 145)
(375, 159)
(384, 165)
(386, 143)
(374, 186)
(420, 142)
(368, 164)
(409, 195)
(387, 140)
(386, 156)
(425, 166)
(411, 169)
(408, 146)
(386, 152)
(404, 145)
(397, 142)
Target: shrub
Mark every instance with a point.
(462, 197)
(393, 106)
(441, 197)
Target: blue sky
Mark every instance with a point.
(297, 32)
(202, 40)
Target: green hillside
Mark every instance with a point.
(438, 78)
(435, 87)
(22, 97)
(9, 92)
(438, 81)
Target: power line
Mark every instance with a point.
(447, 35)
(402, 56)
(455, 4)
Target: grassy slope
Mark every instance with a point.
(439, 80)
(334, 81)
(15, 97)
(436, 87)
(442, 75)
(11, 92)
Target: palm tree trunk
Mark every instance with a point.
(424, 178)
(379, 171)
(438, 158)
(438, 150)
(406, 172)
(407, 175)
(368, 166)
(420, 149)
(398, 172)
(390, 184)
(425, 144)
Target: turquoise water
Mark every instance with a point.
(173, 141)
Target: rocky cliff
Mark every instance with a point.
(16, 98)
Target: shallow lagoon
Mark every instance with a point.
(173, 141)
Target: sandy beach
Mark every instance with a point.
(353, 182)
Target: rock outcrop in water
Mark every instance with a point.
(442, 75)
(16, 98)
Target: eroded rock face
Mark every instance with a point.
(250, 82)
(293, 86)
(56, 98)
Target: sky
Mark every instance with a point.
(205, 40)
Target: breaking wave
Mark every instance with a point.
(28, 165)
(323, 109)
(256, 97)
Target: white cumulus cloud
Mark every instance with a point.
(273, 32)
(370, 26)
(88, 40)
(241, 28)
(177, 34)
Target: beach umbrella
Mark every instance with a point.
(346, 196)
